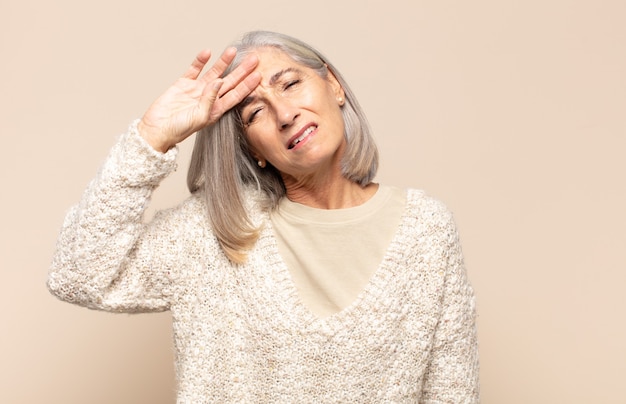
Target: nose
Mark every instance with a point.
(286, 113)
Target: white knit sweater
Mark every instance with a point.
(240, 331)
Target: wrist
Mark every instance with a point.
(152, 137)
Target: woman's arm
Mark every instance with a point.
(106, 257)
(452, 375)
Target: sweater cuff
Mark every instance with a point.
(133, 161)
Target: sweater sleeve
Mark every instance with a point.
(452, 374)
(106, 257)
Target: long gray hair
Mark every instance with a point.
(223, 168)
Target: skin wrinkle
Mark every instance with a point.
(289, 98)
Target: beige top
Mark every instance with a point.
(332, 254)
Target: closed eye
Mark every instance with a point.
(253, 114)
(291, 83)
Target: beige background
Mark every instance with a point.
(512, 112)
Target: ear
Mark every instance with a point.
(256, 155)
(335, 85)
(261, 162)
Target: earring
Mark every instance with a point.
(340, 100)
(261, 163)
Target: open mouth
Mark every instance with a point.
(300, 138)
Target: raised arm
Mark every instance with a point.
(106, 257)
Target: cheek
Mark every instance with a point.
(257, 143)
(337, 115)
(251, 141)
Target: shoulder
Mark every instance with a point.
(422, 206)
(429, 217)
(189, 216)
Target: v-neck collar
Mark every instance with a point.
(366, 301)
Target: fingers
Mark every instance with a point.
(241, 72)
(246, 66)
(233, 97)
(198, 64)
(221, 94)
(209, 95)
(221, 65)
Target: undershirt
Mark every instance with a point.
(332, 253)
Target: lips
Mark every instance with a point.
(301, 135)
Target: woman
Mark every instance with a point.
(291, 276)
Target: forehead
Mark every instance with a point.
(273, 66)
(273, 61)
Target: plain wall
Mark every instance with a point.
(511, 112)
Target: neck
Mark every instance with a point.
(335, 193)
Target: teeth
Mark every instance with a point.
(305, 134)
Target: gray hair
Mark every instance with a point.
(223, 167)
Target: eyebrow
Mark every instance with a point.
(275, 77)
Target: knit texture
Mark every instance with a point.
(240, 331)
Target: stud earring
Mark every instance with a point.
(261, 163)
(340, 100)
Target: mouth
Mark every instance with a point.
(299, 137)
